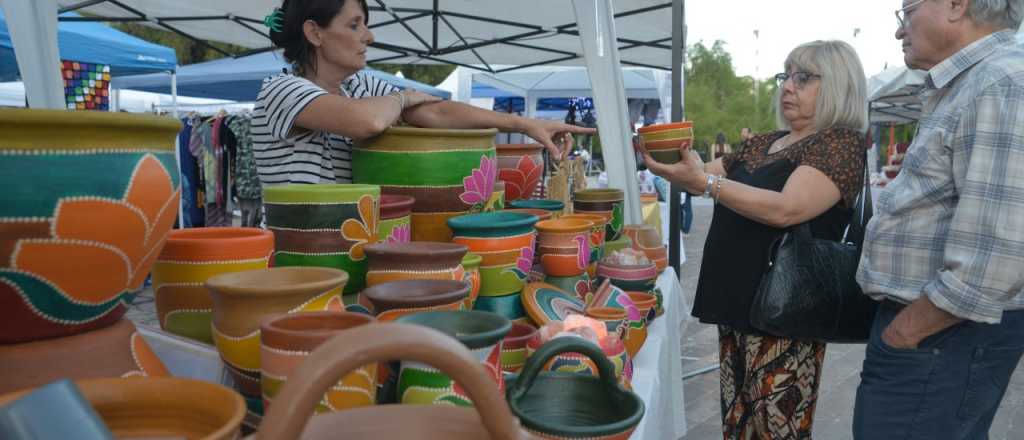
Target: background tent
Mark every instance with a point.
(92, 42)
(893, 95)
(237, 79)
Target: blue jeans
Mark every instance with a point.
(947, 388)
(686, 216)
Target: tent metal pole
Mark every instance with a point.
(678, 58)
(177, 148)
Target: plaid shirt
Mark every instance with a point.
(951, 225)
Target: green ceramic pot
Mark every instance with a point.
(324, 225)
(505, 241)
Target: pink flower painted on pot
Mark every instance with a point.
(582, 251)
(479, 185)
(400, 234)
(525, 261)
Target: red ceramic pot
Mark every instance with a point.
(521, 167)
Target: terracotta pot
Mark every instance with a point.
(471, 263)
(614, 319)
(243, 300)
(100, 190)
(540, 213)
(419, 260)
(286, 341)
(606, 202)
(559, 406)
(648, 240)
(640, 277)
(636, 335)
(613, 246)
(663, 141)
(324, 225)
(564, 246)
(114, 351)
(480, 332)
(448, 172)
(163, 407)
(596, 239)
(394, 299)
(395, 219)
(580, 284)
(521, 167)
(189, 258)
(513, 347)
(489, 419)
(555, 207)
(577, 363)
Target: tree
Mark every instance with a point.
(719, 101)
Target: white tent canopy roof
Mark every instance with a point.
(508, 32)
(893, 95)
(561, 82)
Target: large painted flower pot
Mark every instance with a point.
(564, 246)
(286, 341)
(481, 332)
(521, 167)
(243, 300)
(114, 351)
(190, 257)
(647, 240)
(395, 219)
(596, 239)
(164, 407)
(574, 406)
(663, 141)
(395, 299)
(88, 200)
(448, 172)
(606, 202)
(324, 225)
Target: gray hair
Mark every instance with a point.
(1001, 14)
(842, 97)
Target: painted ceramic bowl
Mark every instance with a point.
(545, 303)
(564, 246)
(513, 347)
(663, 141)
(606, 202)
(88, 201)
(394, 299)
(419, 260)
(640, 277)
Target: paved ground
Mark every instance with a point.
(839, 378)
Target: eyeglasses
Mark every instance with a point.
(800, 79)
(901, 14)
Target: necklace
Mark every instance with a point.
(784, 142)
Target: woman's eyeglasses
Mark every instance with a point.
(800, 79)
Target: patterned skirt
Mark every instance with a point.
(769, 385)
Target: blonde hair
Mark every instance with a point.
(842, 96)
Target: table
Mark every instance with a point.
(658, 368)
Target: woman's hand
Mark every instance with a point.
(553, 134)
(689, 173)
(416, 97)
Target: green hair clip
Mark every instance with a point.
(274, 20)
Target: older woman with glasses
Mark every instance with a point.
(810, 170)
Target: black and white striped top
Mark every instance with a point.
(289, 154)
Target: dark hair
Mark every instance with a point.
(720, 139)
(297, 49)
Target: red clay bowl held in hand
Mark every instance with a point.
(663, 141)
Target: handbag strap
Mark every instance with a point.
(862, 214)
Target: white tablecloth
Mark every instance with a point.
(658, 368)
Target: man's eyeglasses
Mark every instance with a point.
(800, 79)
(901, 14)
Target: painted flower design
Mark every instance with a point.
(100, 247)
(479, 185)
(582, 251)
(522, 180)
(523, 264)
(362, 231)
(400, 234)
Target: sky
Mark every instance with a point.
(784, 24)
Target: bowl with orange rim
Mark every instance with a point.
(663, 141)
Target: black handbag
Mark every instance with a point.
(810, 291)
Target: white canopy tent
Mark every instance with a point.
(893, 95)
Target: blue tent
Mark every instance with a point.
(91, 42)
(238, 79)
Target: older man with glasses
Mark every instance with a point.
(945, 251)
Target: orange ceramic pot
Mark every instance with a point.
(521, 167)
(190, 257)
(647, 240)
(596, 239)
(564, 246)
(614, 319)
(286, 341)
(471, 263)
(606, 202)
(663, 141)
(115, 351)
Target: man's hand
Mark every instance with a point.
(915, 322)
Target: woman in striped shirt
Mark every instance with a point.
(304, 123)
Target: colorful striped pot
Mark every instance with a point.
(471, 264)
(448, 172)
(521, 167)
(513, 347)
(286, 341)
(606, 202)
(481, 332)
(564, 246)
(505, 241)
(640, 277)
(190, 257)
(555, 207)
(113, 351)
(663, 141)
(395, 219)
(648, 240)
(420, 260)
(596, 239)
(324, 225)
(88, 200)
(395, 299)
(243, 300)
